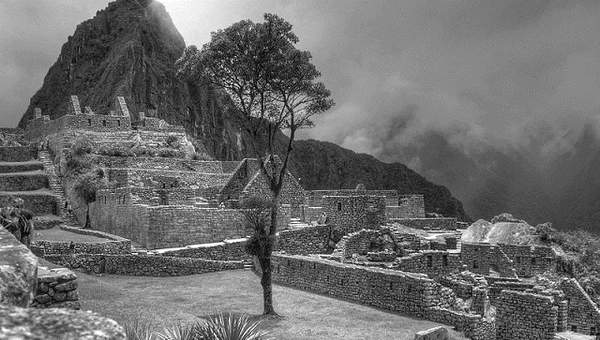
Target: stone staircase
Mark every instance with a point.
(23, 176)
(57, 188)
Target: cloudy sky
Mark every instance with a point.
(501, 72)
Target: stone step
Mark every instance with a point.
(43, 222)
(7, 167)
(40, 202)
(23, 181)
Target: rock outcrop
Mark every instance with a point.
(130, 48)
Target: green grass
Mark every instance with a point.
(165, 301)
(57, 234)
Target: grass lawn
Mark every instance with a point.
(305, 315)
(57, 234)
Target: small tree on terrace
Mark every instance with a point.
(275, 86)
(86, 187)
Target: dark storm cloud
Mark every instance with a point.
(478, 72)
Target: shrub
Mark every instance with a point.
(173, 141)
(232, 327)
(138, 330)
(180, 331)
(83, 145)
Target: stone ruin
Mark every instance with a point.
(375, 247)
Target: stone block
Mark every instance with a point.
(66, 286)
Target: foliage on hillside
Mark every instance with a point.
(580, 256)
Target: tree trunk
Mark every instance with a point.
(87, 218)
(265, 281)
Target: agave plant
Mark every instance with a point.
(179, 331)
(228, 326)
(138, 330)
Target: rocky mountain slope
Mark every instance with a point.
(130, 48)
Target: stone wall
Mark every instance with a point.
(56, 288)
(434, 263)
(40, 203)
(165, 179)
(39, 128)
(411, 206)
(473, 326)
(356, 243)
(444, 223)
(314, 198)
(230, 250)
(170, 225)
(308, 240)
(583, 313)
(525, 316)
(163, 163)
(392, 290)
(142, 265)
(17, 153)
(23, 181)
(113, 244)
(352, 213)
(508, 260)
(529, 260)
(291, 193)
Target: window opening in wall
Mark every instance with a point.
(475, 264)
(445, 260)
(429, 261)
(518, 258)
(574, 328)
(118, 123)
(339, 206)
(89, 122)
(391, 285)
(104, 123)
(314, 266)
(533, 260)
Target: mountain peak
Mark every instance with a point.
(124, 49)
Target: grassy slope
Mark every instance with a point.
(306, 315)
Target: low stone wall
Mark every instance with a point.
(525, 316)
(496, 288)
(356, 243)
(388, 289)
(142, 265)
(444, 223)
(234, 250)
(113, 244)
(56, 288)
(23, 181)
(17, 153)
(472, 325)
(308, 240)
(39, 202)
